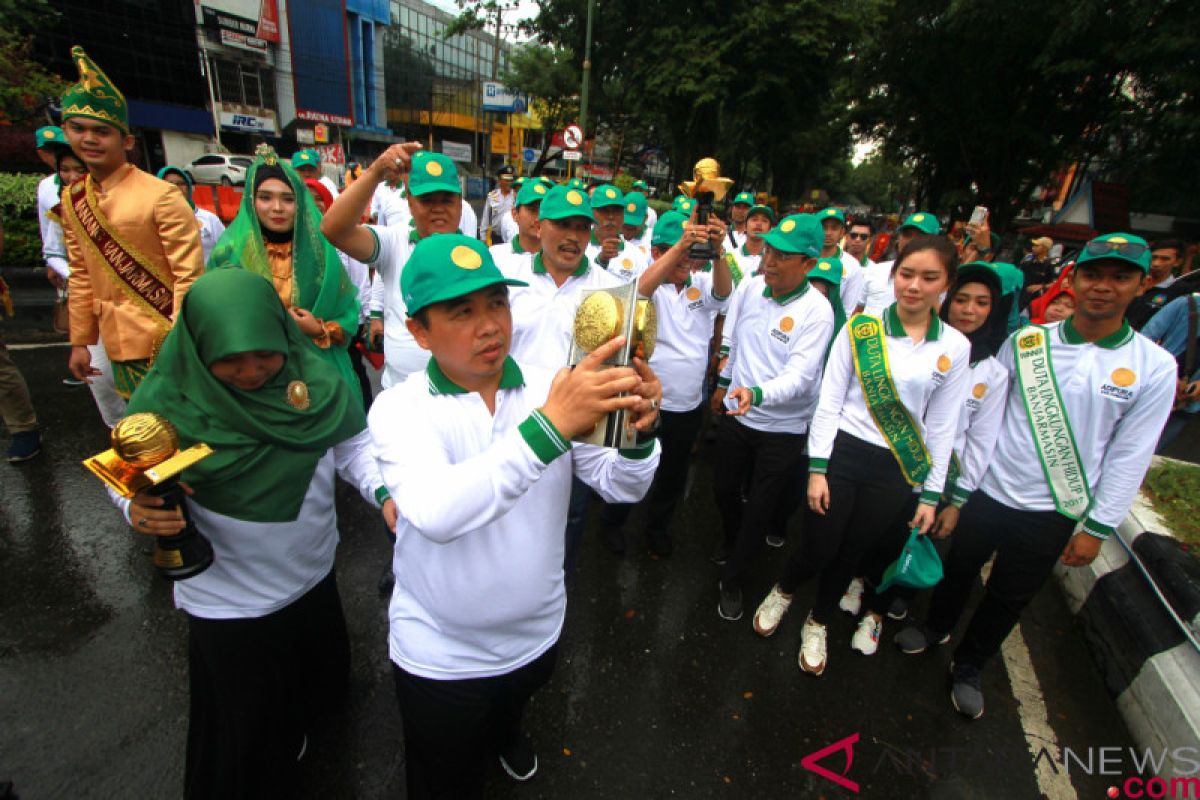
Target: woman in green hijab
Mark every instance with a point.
(267, 645)
(277, 234)
(211, 227)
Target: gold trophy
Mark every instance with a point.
(706, 187)
(145, 456)
(604, 314)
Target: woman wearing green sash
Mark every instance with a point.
(267, 646)
(277, 234)
(883, 429)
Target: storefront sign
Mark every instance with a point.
(456, 151)
(498, 97)
(321, 116)
(250, 120)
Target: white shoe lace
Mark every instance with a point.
(812, 644)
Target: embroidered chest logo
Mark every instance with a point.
(782, 331)
(626, 265)
(693, 295)
(1118, 384)
(978, 392)
(943, 366)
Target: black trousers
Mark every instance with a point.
(867, 500)
(360, 371)
(676, 437)
(778, 464)
(452, 728)
(1027, 545)
(257, 686)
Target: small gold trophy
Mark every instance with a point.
(604, 314)
(706, 187)
(145, 456)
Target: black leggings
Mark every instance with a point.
(868, 497)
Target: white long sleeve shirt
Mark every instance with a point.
(931, 379)
(979, 424)
(211, 229)
(483, 503)
(543, 313)
(1117, 393)
(261, 567)
(389, 205)
(54, 247)
(685, 328)
(776, 347)
(402, 355)
(851, 289)
(878, 291)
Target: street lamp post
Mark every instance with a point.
(587, 72)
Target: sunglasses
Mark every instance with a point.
(1127, 249)
(858, 235)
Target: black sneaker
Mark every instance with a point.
(918, 637)
(519, 760)
(24, 446)
(660, 543)
(721, 555)
(730, 605)
(898, 610)
(774, 540)
(966, 690)
(614, 539)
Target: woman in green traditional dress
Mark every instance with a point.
(883, 430)
(277, 234)
(267, 645)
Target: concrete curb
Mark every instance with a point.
(1151, 668)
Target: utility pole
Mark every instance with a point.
(587, 74)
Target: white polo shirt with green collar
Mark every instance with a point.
(742, 264)
(402, 355)
(1117, 393)
(543, 313)
(776, 348)
(931, 378)
(685, 328)
(628, 265)
(510, 256)
(483, 502)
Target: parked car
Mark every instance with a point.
(226, 168)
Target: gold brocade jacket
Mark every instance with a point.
(152, 217)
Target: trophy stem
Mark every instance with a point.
(703, 251)
(183, 554)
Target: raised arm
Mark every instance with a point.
(342, 222)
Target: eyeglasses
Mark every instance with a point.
(1127, 249)
(858, 235)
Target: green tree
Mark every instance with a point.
(26, 84)
(549, 77)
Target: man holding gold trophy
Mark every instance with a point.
(478, 452)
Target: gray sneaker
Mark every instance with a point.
(966, 692)
(918, 637)
(730, 605)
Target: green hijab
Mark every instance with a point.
(321, 283)
(187, 179)
(266, 450)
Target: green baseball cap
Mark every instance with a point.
(743, 198)
(519, 182)
(669, 229)
(564, 202)
(606, 195)
(1117, 247)
(684, 205)
(799, 233)
(447, 266)
(833, 213)
(758, 209)
(635, 209)
(306, 158)
(828, 270)
(531, 192)
(923, 221)
(432, 172)
(577, 183)
(640, 185)
(49, 136)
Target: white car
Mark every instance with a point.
(226, 168)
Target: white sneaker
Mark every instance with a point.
(771, 611)
(812, 647)
(866, 638)
(851, 601)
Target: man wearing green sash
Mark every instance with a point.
(1086, 403)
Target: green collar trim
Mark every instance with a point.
(516, 244)
(1122, 336)
(783, 300)
(595, 241)
(892, 325)
(540, 269)
(510, 378)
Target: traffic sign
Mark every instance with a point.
(573, 136)
(529, 155)
(572, 155)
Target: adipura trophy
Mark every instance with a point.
(706, 187)
(145, 456)
(602, 315)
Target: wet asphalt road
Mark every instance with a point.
(654, 695)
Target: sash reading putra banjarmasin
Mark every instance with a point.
(1048, 423)
(139, 278)
(883, 401)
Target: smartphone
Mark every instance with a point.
(979, 215)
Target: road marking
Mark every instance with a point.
(38, 346)
(1031, 708)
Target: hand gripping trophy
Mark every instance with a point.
(604, 314)
(145, 456)
(706, 186)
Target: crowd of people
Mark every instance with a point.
(880, 400)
